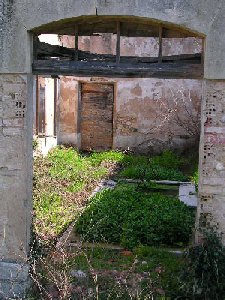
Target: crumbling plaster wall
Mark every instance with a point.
(14, 181)
(150, 115)
(17, 18)
(212, 156)
(68, 129)
(154, 115)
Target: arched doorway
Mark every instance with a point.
(18, 136)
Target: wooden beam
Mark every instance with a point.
(35, 46)
(55, 105)
(203, 52)
(153, 70)
(37, 106)
(160, 44)
(118, 43)
(76, 55)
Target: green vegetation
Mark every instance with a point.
(35, 144)
(62, 182)
(129, 217)
(143, 216)
(65, 178)
(149, 172)
(109, 274)
(162, 167)
(162, 268)
(195, 178)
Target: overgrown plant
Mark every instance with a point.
(35, 143)
(195, 178)
(79, 274)
(203, 276)
(63, 181)
(161, 167)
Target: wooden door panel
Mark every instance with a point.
(96, 116)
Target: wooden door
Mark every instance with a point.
(96, 116)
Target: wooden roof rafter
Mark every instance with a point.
(55, 60)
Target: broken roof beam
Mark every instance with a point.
(118, 29)
(46, 51)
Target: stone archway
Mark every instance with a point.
(16, 23)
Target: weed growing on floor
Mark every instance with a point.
(98, 273)
(167, 159)
(129, 217)
(162, 167)
(63, 182)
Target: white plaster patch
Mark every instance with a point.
(3, 224)
(215, 130)
(220, 167)
(187, 194)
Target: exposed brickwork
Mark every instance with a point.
(96, 117)
(212, 178)
(13, 192)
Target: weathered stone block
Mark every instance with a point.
(14, 280)
(15, 214)
(14, 271)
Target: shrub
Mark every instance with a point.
(161, 167)
(167, 159)
(130, 218)
(203, 276)
(152, 173)
(35, 144)
(99, 157)
(195, 179)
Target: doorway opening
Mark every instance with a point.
(135, 88)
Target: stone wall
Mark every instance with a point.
(150, 115)
(15, 185)
(14, 233)
(212, 158)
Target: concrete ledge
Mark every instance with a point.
(14, 280)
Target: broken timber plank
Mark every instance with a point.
(118, 44)
(46, 51)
